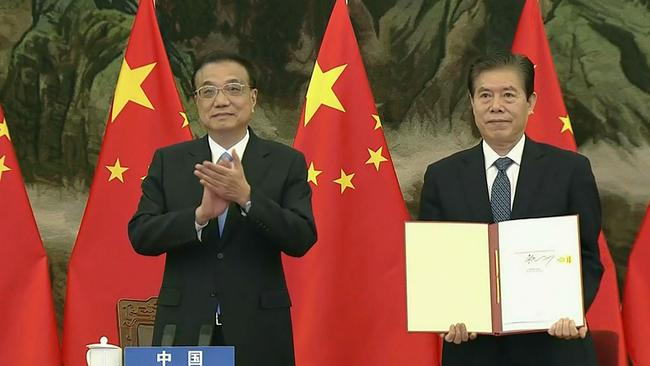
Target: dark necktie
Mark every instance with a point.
(500, 200)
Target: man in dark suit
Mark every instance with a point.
(223, 208)
(509, 176)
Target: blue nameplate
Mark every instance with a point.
(179, 356)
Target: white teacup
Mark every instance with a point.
(103, 354)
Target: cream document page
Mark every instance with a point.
(447, 276)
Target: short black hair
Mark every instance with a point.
(501, 60)
(218, 57)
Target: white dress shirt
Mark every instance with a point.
(216, 151)
(512, 172)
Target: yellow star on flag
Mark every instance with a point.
(377, 121)
(186, 122)
(129, 88)
(4, 130)
(566, 122)
(312, 174)
(376, 157)
(320, 91)
(116, 171)
(3, 167)
(345, 181)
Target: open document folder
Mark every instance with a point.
(514, 276)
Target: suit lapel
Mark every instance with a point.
(529, 180)
(473, 178)
(256, 160)
(255, 164)
(199, 151)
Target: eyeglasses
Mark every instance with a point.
(229, 89)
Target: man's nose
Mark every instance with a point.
(496, 105)
(220, 99)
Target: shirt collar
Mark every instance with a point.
(239, 147)
(515, 153)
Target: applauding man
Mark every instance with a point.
(223, 208)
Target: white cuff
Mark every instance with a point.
(199, 229)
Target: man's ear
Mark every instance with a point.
(253, 97)
(531, 103)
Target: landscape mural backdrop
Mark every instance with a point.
(59, 61)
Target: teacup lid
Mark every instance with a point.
(103, 343)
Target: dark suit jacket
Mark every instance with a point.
(551, 182)
(242, 270)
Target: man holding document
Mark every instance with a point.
(507, 177)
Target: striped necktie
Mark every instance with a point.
(500, 198)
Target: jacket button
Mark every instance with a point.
(219, 255)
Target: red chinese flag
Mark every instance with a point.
(146, 114)
(348, 292)
(550, 124)
(604, 316)
(636, 298)
(28, 332)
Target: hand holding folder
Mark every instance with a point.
(515, 276)
(458, 334)
(564, 328)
